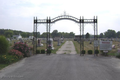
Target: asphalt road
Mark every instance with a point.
(63, 67)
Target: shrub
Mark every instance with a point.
(43, 51)
(118, 55)
(37, 51)
(48, 50)
(96, 51)
(16, 52)
(83, 51)
(22, 48)
(90, 51)
(7, 59)
(4, 45)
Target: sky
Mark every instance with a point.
(19, 14)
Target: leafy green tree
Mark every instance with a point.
(55, 33)
(71, 34)
(44, 35)
(8, 33)
(4, 45)
(101, 35)
(118, 34)
(87, 35)
(24, 34)
(110, 33)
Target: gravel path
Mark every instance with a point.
(67, 48)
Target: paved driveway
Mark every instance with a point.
(67, 48)
(63, 67)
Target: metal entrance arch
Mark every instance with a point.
(81, 21)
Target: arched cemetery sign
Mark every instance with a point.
(81, 21)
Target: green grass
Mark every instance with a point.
(88, 46)
(3, 66)
(77, 46)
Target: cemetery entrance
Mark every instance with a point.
(81, 21)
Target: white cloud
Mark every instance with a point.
(23, 11)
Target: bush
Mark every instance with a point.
(118, 55)
(16, 53)
(4, 45)
(43, 51)
(83, 51)
(48, 50)
(22, 48)
(37, 51)
(7, 59)
(96, 51)
(90, 51)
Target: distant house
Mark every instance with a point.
(17, 37)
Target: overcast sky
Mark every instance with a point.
(18, 14)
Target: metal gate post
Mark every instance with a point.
(80, 36)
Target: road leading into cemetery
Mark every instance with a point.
(67, 48)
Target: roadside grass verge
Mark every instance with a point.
(3, 66)
(77, 46)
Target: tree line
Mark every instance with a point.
(110, 34)
(9, 33)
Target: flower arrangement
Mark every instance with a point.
(22, 47)
(16, 52)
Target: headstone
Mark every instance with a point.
(21, 40)
(113, 46)
(39, 42)
(51, 43)
(59, 42)
(8, 39)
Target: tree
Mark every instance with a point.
(24, 34)
(110, 33)
(4, 45)
(87, 35)
(71, 34)
(118, 34)
(44, 35)
(101, 35)
(55, 33)
(8, 33)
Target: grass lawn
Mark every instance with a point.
(3, 66)
(88, 46)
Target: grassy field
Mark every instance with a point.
(88, 46)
